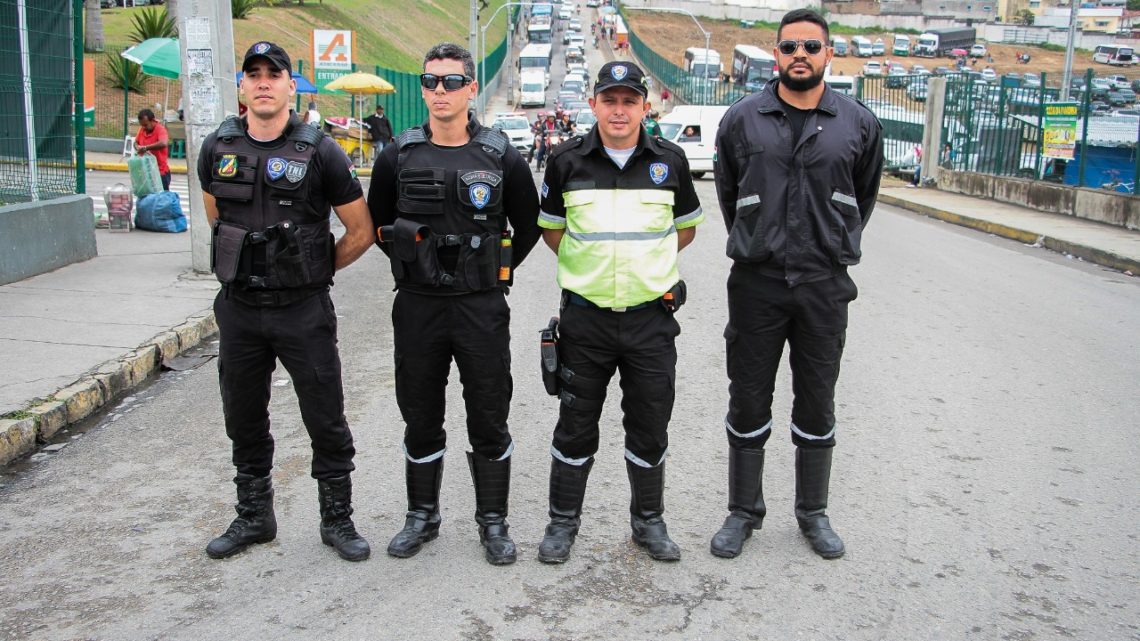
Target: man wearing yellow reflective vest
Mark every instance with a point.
(617, 206)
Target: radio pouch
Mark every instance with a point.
(226, 250)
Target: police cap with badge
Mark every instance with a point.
(621, 74)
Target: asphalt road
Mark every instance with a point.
(985, 460)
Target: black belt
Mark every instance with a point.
(270, 297)
(576, 299)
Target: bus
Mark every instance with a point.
(542, 9)
(703, 63)
(752, 67)
(539, 33)
(1114, 55)
(621, 32)
(536, 56)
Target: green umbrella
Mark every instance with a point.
(157, 57)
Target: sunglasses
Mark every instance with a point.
(451, 81)
(788, 47)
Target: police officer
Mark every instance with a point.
(268, 182)
(620, 285)
(797, 178)
(441, 198)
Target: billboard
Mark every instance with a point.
(333, 55)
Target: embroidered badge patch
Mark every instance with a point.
(619, 71)
(658, 172)
(275, 167)
(228, 166)
(295, 171)
(480, 194)
(472, 177)
(261, 47)
(545, 190)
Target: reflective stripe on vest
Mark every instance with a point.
(620, 247)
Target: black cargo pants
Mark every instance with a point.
(302, 334)
(763, 314)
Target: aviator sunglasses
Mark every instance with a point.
(788, 47)
(451, 81)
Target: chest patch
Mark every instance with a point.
(275, 168)
(658, 172)
(480, 194)
(228, 165)
(472, 177)
(295, 171)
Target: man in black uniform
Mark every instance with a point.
(441, 198)
(617, 208)
(268, 182)
(797, 178)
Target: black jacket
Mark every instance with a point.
(797, 210)
(379, 127)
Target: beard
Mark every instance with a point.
(802, 84)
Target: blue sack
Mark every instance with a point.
(161, 212)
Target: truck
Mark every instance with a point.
(700, 145)
(532, 88)
(901, 46)
(704, 63)
(752, 67)
(535, 57)
(861, 47)
(940, 42)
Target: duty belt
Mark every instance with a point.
(269, 298)
(576, 299)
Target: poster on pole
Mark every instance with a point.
(332, 55)
(1059, 129)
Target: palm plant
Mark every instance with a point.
(152, 23)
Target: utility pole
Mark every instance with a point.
(209, 94)
(1074, 9)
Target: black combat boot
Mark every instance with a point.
(492, 481)
(422, 523)
(647, 489)
(813, 473)
(255, 522)
(745, 502)
(337, 528)
(567, 491)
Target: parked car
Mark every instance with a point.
(873, 68)
(1099, 88)
(916, 91)
(1136, 85)
(878, 48)
(1032, 80)
(941, 71)
(1121, 97)
(593, 3)
(978, 51)
(1117, 81)
(919, 70)
(989, 75)
(896, 77)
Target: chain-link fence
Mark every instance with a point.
(37, 99)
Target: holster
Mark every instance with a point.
(673, 299)
(288, 258)
(414, 257)
(549, 361)
(225, 251)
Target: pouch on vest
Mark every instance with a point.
(414, 257)
(290, 264)
(477, 264)
(225, 251)
(422, 191)
(480, 192)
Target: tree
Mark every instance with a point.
(1027, 17)
(93, 38)
(1134, 5)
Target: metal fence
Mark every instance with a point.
(38, 75)
(118, 99)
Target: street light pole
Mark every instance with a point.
(707, 34)
(483, 52)
(1066, 78)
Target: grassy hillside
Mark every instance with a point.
(391, 33)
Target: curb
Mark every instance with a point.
(43, 418)
(97, 165)
(1091, 254)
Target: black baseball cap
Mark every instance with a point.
(621, 74)
(271, 52)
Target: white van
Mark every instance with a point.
(694, 129)
(861, 47)
(532, 88)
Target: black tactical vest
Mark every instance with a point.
(450, 235)
(268, 236)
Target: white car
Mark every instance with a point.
(989, 75)
(593, 3)
(978, 51)
(584, 122)
(517, 128)
(873, 68)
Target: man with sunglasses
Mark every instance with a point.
(617, 207)
(797, 177)
(268, 183)
(441, 199)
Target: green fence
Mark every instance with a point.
(37, 99)
(1000, 130)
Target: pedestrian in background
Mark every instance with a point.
(379, 128)
(268, 183)
(797, 176)
(312, 116)
(620, 287)
(443, 196)
(152, 139)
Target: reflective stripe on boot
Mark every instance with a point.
(745, 502)
(813, 476)
(492, 481)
